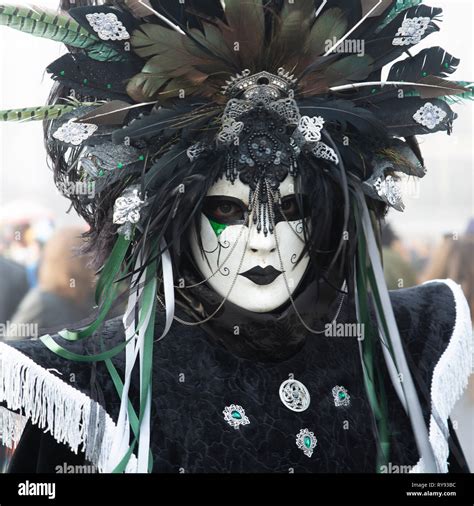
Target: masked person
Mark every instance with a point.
(242, 159)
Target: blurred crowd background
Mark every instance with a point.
(46, 283)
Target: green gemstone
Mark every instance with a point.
(446, 65)
(424, 74)
(120, 165)
(217, 227)
(307, 441)
(236, 414)
(85, 81)
(342, 395)
(109, 86)
(374, 90)
(141, 158)
(62, 73)
(101, 172)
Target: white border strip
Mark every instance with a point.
(450, 377)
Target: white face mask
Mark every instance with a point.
(241, 263)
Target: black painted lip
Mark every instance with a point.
(260, 275)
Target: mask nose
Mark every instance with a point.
(259, 243)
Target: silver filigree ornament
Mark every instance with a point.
(74, 133)
(308, 130)
(107, 26)
(195, 151)
(235, 416)
(306, 441)
(235, 107)
(411, 31)
(429, 115)
(388, 190)
(230, 131)
(127, 210)
(323, 151)
(341, 397)
(294, 395)
(287, 109)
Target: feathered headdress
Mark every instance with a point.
(154, 89)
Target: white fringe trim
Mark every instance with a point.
(450, 377)
(70, 416)
(11, 427)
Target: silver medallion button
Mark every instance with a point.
(294, 395)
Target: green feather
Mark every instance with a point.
(451, 98)
(58, 27)
(36, 113)
(400, 6)
(467, 95)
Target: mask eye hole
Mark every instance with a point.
(226, 210)
(289, 208)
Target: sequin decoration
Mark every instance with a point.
(74, 133)
(429, 115)
(341, 397)
(306, 441)
(294, 395)
(107, 26)
(411, 31)
(234, 415)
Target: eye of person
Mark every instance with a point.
(224, 211)
(289, 208)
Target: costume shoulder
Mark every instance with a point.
(62, 397)
(435, 326)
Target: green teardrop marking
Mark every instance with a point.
(373, 90)
(307, 441)
(101, 172)
(85, 81)
(141, 158)
(120, 165)
(424, 74)
(236, 414)
(217, 227)
(109, 86)
(446, 65)
(62, 73)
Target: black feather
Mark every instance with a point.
(381, 47)
(397, 116)
(343, 112)
(434, 61)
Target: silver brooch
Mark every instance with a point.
(306, 441)
(127, 210)
(323, 151)
(341, 397)
(294, 395)
(234, 415)
(411, 31)
(74, 133)
(309, 130)
(230, 131)
(429, 115)
(107, 26)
